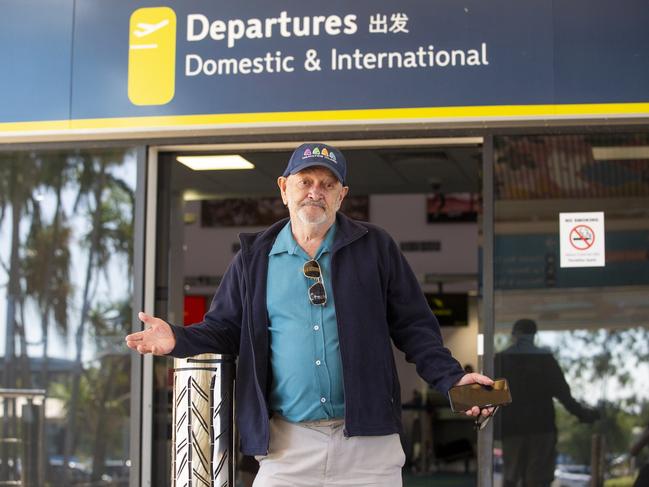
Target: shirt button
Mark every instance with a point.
(323, 400)
(316, 327)
(317, 362)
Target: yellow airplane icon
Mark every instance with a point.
(149, 28)
(152, 56)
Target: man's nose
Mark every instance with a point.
(316, 191)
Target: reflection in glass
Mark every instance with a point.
(66, 255)
(594, 321)
(527, 430)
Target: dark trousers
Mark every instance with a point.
(529, 460)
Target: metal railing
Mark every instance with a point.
(21, 444)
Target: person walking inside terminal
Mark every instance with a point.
(310, 306)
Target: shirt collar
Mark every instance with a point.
(285, 242)
(326, 244)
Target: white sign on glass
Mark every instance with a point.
(581, 237)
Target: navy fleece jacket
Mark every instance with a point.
(378, 299)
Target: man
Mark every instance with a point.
(529, 434)
(311, 305)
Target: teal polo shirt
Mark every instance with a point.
(304, 349)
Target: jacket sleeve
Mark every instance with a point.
(220, 330)
(561, 390)
(413, 326)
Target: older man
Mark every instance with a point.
(311, 306)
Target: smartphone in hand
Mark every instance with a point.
(463, 398)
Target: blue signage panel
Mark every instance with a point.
(532, 262)
(127, 60)
(35, 56)
(297, 56)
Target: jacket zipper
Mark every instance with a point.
(340, 342)
(244, 272)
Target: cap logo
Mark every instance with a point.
(316, 152)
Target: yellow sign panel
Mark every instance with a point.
(152, 56)
(469, 115)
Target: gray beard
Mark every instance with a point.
(311, 221)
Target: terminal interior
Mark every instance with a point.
(426, 197)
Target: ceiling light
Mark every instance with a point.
(215, 163)
(193, 195)
(621, 153)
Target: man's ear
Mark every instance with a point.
(343, 193)
(281, 183)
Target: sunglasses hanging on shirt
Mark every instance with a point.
(317, 293)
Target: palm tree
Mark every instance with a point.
(17, 176)
(102, 195)
(111, 400)
(47, 257)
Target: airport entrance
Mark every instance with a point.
(425, 192)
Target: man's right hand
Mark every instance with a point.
(157, 339)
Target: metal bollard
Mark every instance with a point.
(203, 422)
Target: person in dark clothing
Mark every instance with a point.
(311, 306)
(527, 426)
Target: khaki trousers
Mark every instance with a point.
(317, 454)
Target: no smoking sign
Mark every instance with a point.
(582, 239)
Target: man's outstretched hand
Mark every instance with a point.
(157, 339)
(475, 378)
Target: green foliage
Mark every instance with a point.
(574, 438)
(46, 269)
(626, 481)
(615, 427)
(608, 360)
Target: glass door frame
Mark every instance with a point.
(487, 321)
(143, 367)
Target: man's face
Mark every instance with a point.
(313, 195)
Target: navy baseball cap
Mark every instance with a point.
(317, 154)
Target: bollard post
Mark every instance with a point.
(596, 461)
(203, 421)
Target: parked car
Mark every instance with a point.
(568, 475)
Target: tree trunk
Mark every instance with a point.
(85, 309)
(9, 426)
(100, 444)
(13, 287)
(47, 296)
(25, 365)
